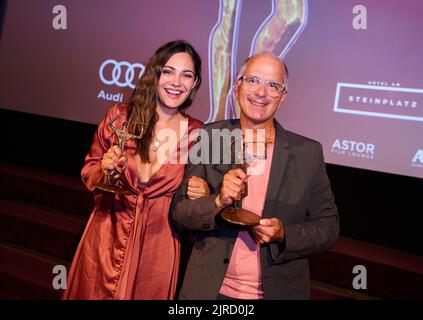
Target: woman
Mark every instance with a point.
(129, 249)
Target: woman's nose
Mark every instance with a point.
(175, 79)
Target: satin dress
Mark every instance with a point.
(129, 249)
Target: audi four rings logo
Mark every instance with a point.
(117, 68)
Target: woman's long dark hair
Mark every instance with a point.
(143, 102)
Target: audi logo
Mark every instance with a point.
(119, 68)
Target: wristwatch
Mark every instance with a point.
(218, 203)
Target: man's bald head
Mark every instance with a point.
(265, 57)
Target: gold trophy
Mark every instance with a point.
(123, 136)
(235, 214)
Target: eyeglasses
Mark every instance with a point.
(273, 89)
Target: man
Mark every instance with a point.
(291, 194)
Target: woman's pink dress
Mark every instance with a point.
(129, 249)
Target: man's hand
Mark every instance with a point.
(269, 230)
(232, 187)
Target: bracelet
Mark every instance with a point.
(218, 203)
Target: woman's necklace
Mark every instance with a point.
(156, 144)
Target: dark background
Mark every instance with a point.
(375, 207)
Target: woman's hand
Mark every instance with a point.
(113, 160)
(197, 188)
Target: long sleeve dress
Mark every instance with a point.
(129, 249)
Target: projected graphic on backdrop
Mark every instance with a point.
(276, 34)
(355, 69)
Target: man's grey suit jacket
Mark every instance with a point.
(298, 193)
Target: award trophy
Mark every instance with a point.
(123, 136)
(236, 214)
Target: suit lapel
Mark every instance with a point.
(222, 166)
(281, 157)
